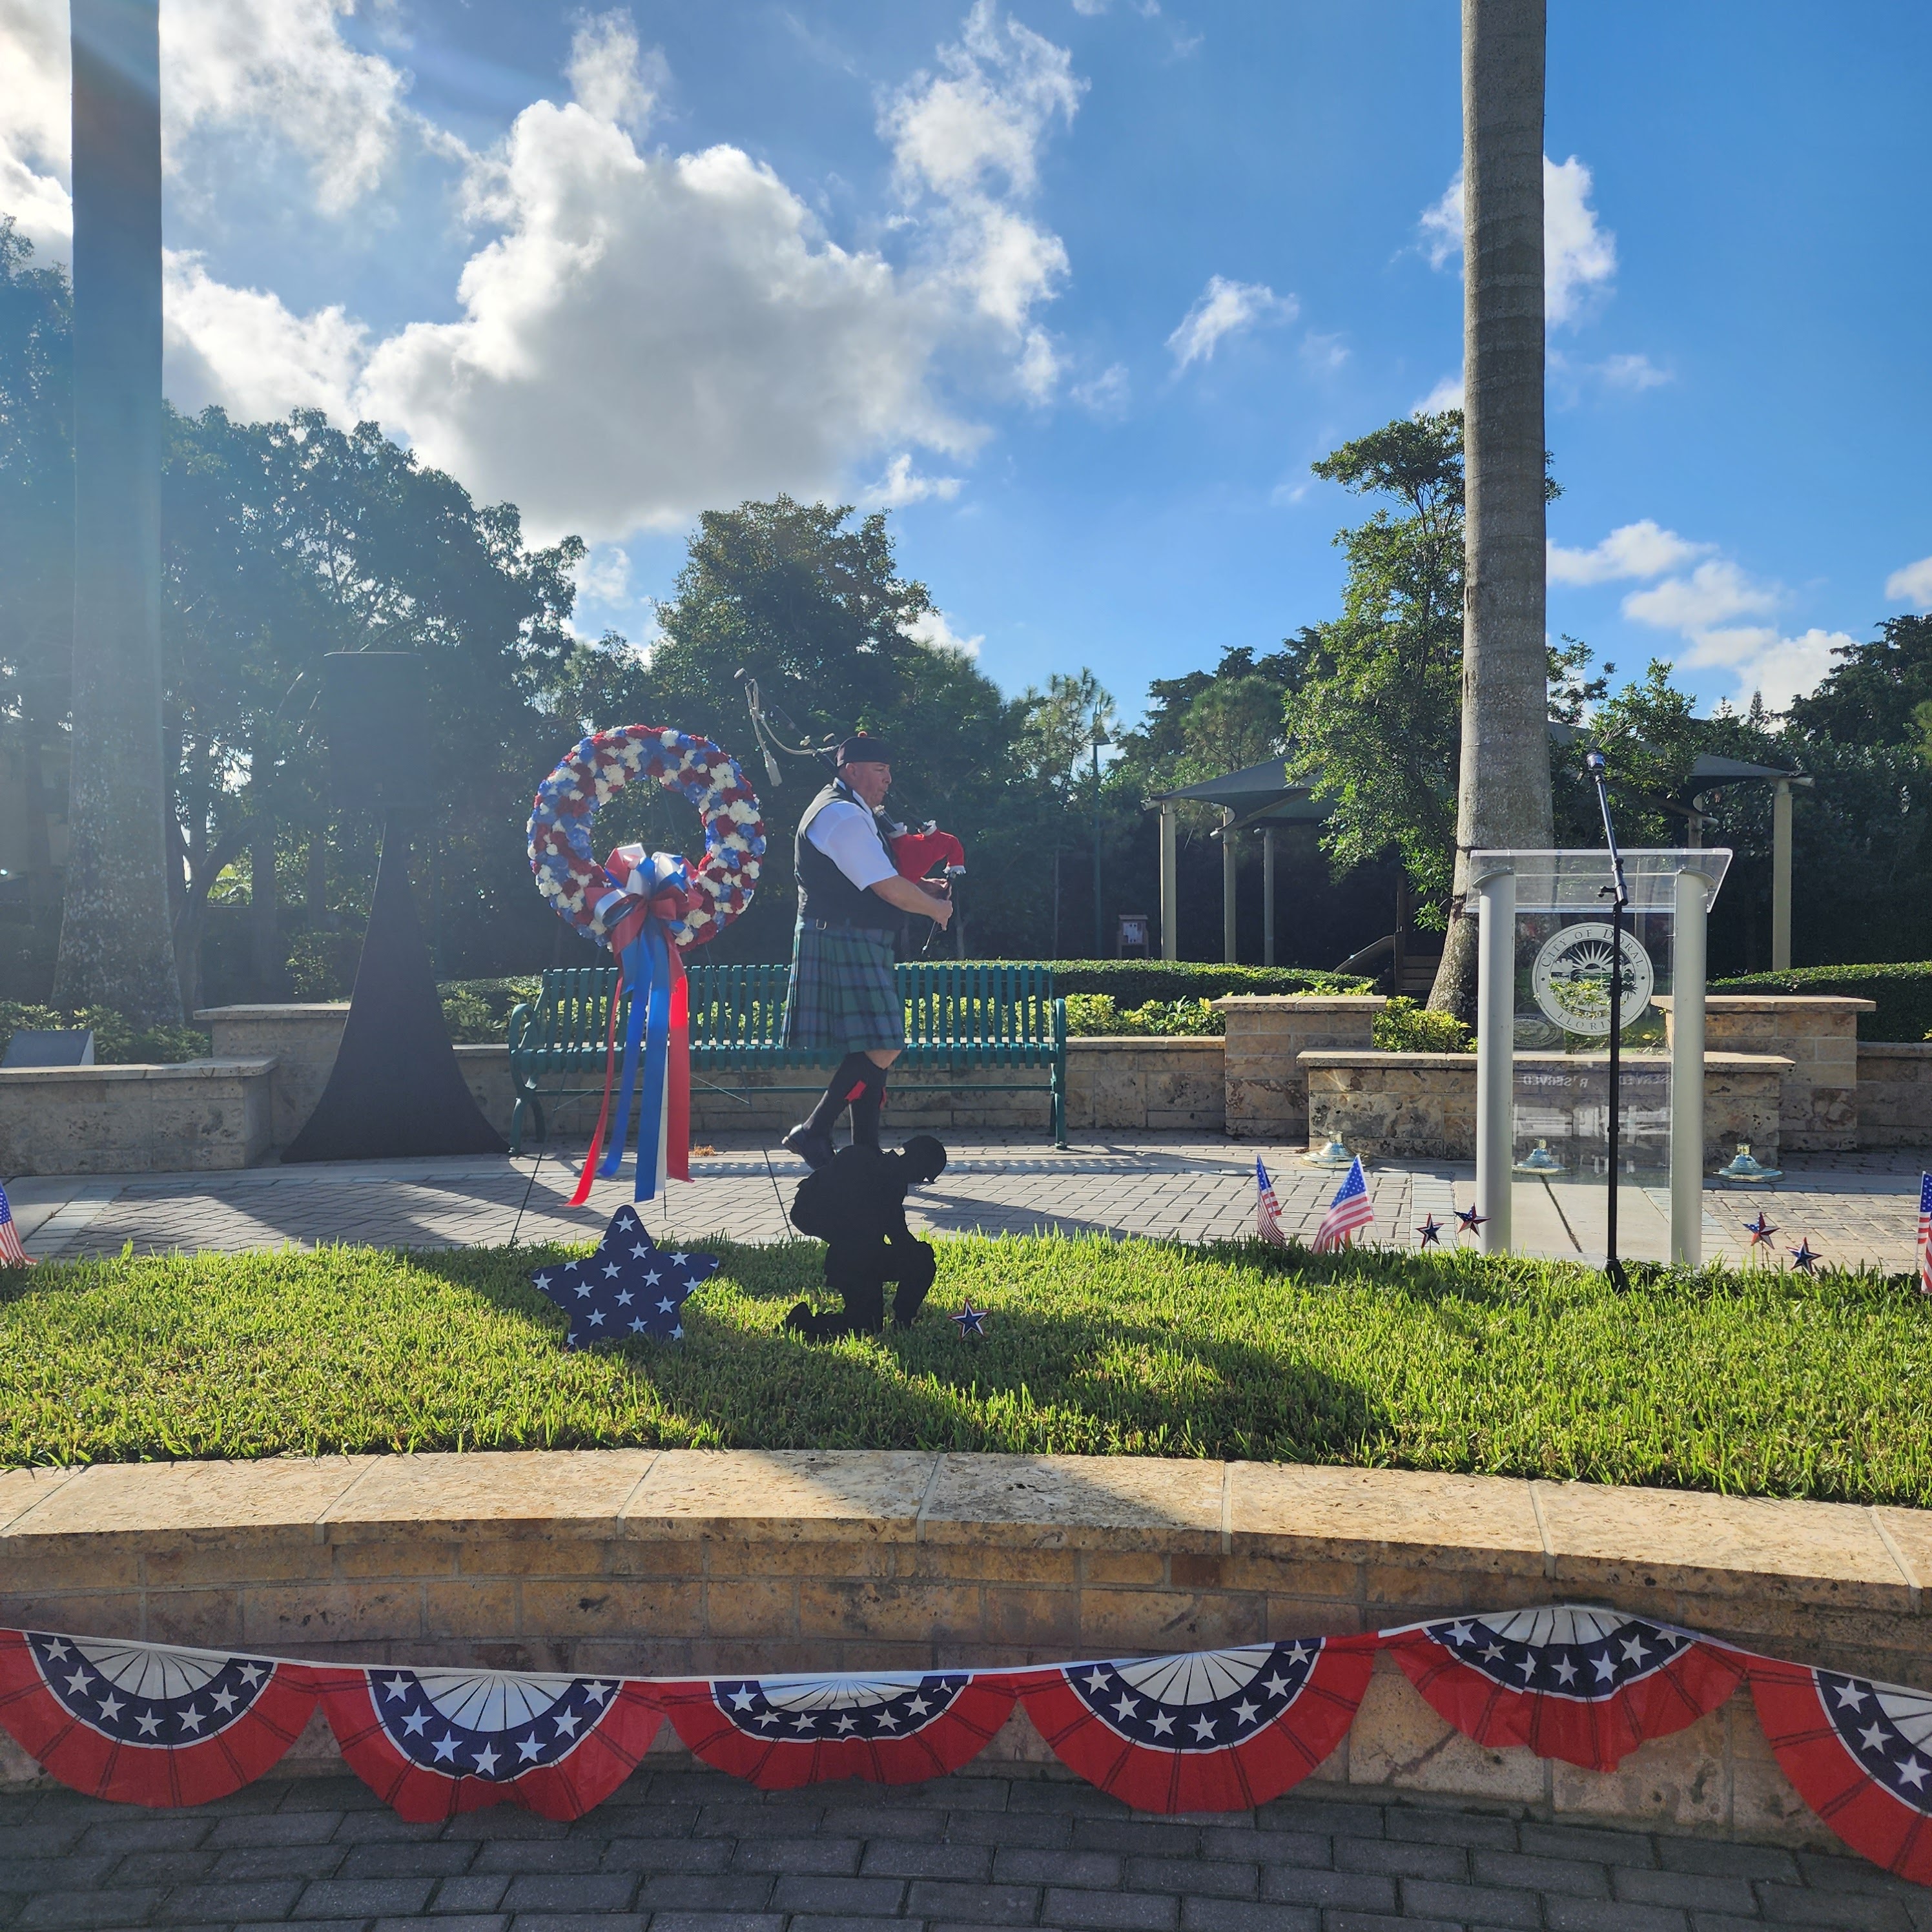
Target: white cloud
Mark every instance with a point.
(1763, 660)
(1579, 254)
(1446, 394)
(1324, 353)
(1715, 592)
(1914, 581)
(278, 70)
(1634, 550)
(1105, 395)
(930, 629)
(611, 77)
(902, 484)
(1225, 308)
(243, 349)
(1634, 372)
(604, 574)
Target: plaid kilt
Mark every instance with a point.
(843, 996)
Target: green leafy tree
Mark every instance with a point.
(1877, 692)
(1062, 726)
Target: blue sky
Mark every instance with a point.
(1079, 290)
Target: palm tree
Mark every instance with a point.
(116, 943)
(1504, 774)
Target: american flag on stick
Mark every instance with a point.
(1925, 1234)
(12, 1255)
(1267, 1209)
(1348, 1211)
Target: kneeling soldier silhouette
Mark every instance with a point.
(856, 1204)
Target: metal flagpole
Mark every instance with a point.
(1617, 893)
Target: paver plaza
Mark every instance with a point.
(1854, 1209)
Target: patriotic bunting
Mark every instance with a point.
(1583, 1685)
(779, 1733)
(1860, 1755)
(161, 1724)
(432, 1743)
(148, 1723)
(1216, 1730)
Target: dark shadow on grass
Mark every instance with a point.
(930, 1387)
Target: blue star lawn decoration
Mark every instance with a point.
(972, 1320)
(1470, 1219)
(1431, 1232)
(629, 1286)
(1803, 1258)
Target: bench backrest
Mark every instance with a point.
(999, 1012)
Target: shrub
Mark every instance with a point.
(117, 1041)
(1133, 983)
(1089, 1014)
(1403, 1026)
(477, 1012)
(1903, 992)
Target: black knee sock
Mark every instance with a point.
(851, 1077)
(866, 1108)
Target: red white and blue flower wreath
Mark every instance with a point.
(648, 908)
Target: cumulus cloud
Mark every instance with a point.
(34, 120)
(1446, 394)
(1225, 308)
(1914, 581)
(612, 77)
(1715, 592)
(930, 629)
(1633, 372)
(902, 484)
(603, 576)
(1105, 395)
(1579, 254)
(1764, 661)
(244, 348)
(1641, 549)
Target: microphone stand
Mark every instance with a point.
(1617, 893)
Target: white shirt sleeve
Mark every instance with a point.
(847, 836)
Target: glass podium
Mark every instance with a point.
(1543, 1023)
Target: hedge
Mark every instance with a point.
(1133, 983)
(1903, 992)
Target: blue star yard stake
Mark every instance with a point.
(972, 1320)
(1431, 1232)
(629, 1286)
(1802, 1257)
(1470, 1219)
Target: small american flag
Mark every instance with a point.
(1348, 1211)
(12, 1255)
(1925, 1234)
(1267, 1209)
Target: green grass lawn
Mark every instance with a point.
(1751, 1384)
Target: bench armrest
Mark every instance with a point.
(520, 1017)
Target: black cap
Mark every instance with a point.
(926, 1158)
(862, 749)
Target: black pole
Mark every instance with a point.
(1617, 893)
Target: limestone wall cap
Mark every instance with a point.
(185, 1069)
(291, 1010)
(1775, 1003)
(1169, 1042)
(1374, 1057)
(1369, 1056)
(1299, 1003)
(1896, 1049)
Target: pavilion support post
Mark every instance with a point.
(1170, 883)
(1780, 877)
(1227, 885)
(1268, 895)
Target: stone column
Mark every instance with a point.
(1266, 1090)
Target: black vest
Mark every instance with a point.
(823, 891)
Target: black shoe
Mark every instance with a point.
(812, 1145)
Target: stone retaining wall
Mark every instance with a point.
(1267, 1089)
(1818, 1034)
(203, 1115)
(1408, 1106)
(681, 1560)
(1894, 1093)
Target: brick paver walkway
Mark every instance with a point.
(695, 1851)
(1853, 1209)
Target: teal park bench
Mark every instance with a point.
(960, 1016)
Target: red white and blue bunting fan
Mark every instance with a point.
(648, 908)
(147, 1724)
(896, 1728)
(1586, 1686)
(432, 1743)
(1214, 1730)
(627, 1286)
(1859, 1753)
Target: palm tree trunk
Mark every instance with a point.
(116, 944)
(1504, 795)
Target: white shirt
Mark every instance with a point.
(848, 835)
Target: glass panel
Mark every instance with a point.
(1554, 881)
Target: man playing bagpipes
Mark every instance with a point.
(854, 903)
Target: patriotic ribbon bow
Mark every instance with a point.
(649, 890)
